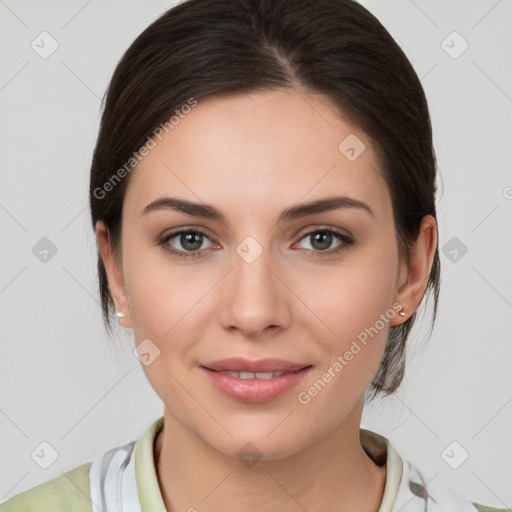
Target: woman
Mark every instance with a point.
(263, 196)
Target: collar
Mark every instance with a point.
(376, 446)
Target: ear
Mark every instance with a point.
(114, 271)
(413, 277)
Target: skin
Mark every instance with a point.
(252, 156)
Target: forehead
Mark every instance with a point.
(274, 147)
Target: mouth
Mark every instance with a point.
(259, 366)
(254, 381)
(256, 375)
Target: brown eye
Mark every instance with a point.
(321, 240)
(191, 241)
(324, 241)
(185, 243)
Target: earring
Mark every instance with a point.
(119, 314)
(402, 311)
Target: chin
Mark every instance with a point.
(261, 440)
(251, 450)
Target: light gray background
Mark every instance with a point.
(61, 382)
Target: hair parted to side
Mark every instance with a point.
(337, 48)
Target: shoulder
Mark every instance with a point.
(484, 508)
(68, 492)
(407, 489)
(435, 495)
(99, 481)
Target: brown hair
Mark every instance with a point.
(200, 48)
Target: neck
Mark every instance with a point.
(194, 476)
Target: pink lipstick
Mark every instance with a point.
(255, 381)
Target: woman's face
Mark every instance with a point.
(315, 288)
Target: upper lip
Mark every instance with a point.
(239, 364)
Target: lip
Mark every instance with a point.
(239, 364)
(255, 390)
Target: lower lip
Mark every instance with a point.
(255, 390)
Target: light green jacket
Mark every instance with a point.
(127, 475)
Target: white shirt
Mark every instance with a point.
(124, 479)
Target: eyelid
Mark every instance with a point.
(181, 229)
(346, 240)
(208, 234)
(320, 227)
(186, 229)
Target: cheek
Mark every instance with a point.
(355, 309)
(169, 302)
(162, 304)
(169, 308)
(356, 293)
(354, 344)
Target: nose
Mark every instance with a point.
(255, 300)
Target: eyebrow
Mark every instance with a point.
(295, 212)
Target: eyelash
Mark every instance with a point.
(346, 243)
